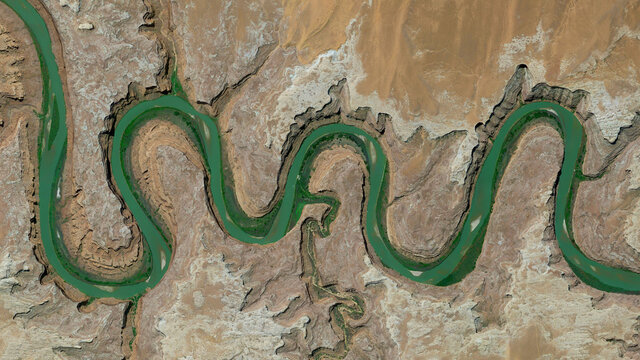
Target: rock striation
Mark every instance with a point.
(271, 71)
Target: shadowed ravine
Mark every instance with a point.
(203, 131)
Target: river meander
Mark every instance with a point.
(458, 261)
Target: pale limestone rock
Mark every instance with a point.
(216, 324)
(462, 88)
(218, 40)
(605, 216)
(632, 221)
(198, 308)
(85, 26)
(542, 317)
(100, 65)
(37, 320)
(74, 5)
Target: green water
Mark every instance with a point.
(450, 268)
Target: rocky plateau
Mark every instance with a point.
(434, 80)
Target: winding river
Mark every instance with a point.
(203, 130)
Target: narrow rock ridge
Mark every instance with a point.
(28, 132)
(29, 148)
(337, 109)
(11, 56)
(600, 153)
(345, 311)
(517, 91)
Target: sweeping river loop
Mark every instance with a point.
(203, 130)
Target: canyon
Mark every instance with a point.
(433, 86)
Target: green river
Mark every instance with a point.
(458, 261)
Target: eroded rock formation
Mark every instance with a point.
(429, 77)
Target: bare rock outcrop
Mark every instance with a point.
(99, 66)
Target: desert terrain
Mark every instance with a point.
(431, 82)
